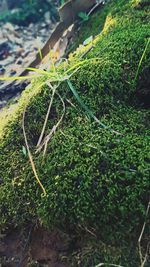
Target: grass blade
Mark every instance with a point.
(40, 54)
(88, 111)
(38, 71)
(18, 78)
(141, 60)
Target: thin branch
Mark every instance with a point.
(47, 115)
(94, 7)
(103, 264)
(140, 239)
(48, 137)
(146, 256)
(30, 156)
(54, 128)
(87, 51)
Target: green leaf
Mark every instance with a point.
(24, 151)
(87, 110)
(83, 16)
(88, 40)
(62, 2)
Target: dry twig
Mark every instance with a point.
(143, 260)
(30, 155)
(103, 264)
(48, 137)
(47, 115)
(95, 7)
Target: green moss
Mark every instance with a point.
(93, 177)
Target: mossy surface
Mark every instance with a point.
(94, 177)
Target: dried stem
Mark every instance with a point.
(103, 264)
(47, 115)
(143, 261)
(48, 137)
(30, 156)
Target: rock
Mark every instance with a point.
(7, 61)
(17, 41)
(15, 11)
(8, 90)
(25, 54)
(43, 25)
(42, 31)
(47, 17)
(2, 104)
(19, 51)
(16, 27)
(13, 72)
(19, 60)
(31, 25)
(2, 70)
(3, 42)
(8, 26)
(4, 48)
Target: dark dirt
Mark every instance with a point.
(34, 247)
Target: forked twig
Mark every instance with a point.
(47, 115)
(54, 128)
(48, 137)
(30, 155)
(146, 256)
(87, 230)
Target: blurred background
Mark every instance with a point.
(25, 26)
(23, 12)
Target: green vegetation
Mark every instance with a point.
(94, 178)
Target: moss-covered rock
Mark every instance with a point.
(94, 177)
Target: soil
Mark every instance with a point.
(34, 247)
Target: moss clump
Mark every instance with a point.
(93, 177)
